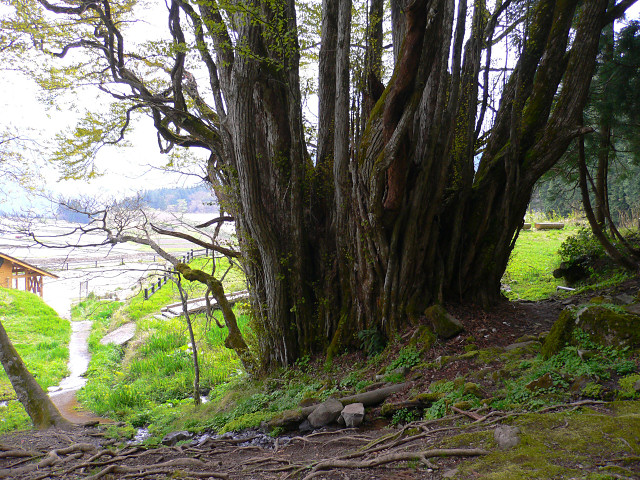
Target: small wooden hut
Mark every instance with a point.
(20, 275)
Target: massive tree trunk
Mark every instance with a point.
(425, 205)
(36, 402)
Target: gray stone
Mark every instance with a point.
(635, 308)
(636, 386)
(120, 335)
(506, 436)
(325, 413)
(450, 473)
(172, 438)
(623, 299)
(305, 426)
(353, 415)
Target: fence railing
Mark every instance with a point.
(186, 258)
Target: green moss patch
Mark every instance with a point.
(579, 444)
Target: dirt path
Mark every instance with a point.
(64, 397)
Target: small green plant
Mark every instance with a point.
(581, 244)
(627, 386)
(372, 341)
(405, 415)
(303, 363)
(592, 390)
(407, 357)
(437, 410)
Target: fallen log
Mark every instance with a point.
(374, 397)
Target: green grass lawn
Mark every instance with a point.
(41, 338)
(529, 273)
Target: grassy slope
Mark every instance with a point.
(529, 273)
(41, 338)
(149, 381)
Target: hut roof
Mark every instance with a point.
(26, 265)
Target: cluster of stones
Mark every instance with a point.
(332, 411)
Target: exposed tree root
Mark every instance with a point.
(164, 468)
(422, 456)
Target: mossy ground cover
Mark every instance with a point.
(587, 443)
(41, 338)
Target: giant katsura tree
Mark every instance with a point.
(422, 204)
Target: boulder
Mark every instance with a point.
(635, 308)
(623, 299)
(289, 419)
(559, 335)
(610, 328)
(305, 426)
(443, 324)
(604, 326)
(506, 436)
(578, 384)
(353, 414)
(541, 383)
(172, 438)
(325, 413)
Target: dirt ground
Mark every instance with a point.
(376, 451)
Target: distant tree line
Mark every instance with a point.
(612, 150)
(198, 199)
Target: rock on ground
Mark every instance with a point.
(325, 413)
(506, 436)
(353, 415)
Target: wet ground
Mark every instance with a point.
(64, 395)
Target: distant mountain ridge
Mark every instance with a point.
(198, 199)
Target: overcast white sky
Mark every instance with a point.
(127, 170)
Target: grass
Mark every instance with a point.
(537, 253)
(233, 281)
(41, 338)
(150, 382)
(529, 273)
(563, 445)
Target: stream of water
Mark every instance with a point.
(64, 394)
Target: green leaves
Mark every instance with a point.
(77, 147)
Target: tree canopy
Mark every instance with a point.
(417, 188)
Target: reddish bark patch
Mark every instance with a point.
(401, 90)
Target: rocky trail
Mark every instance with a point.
(581, 438)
